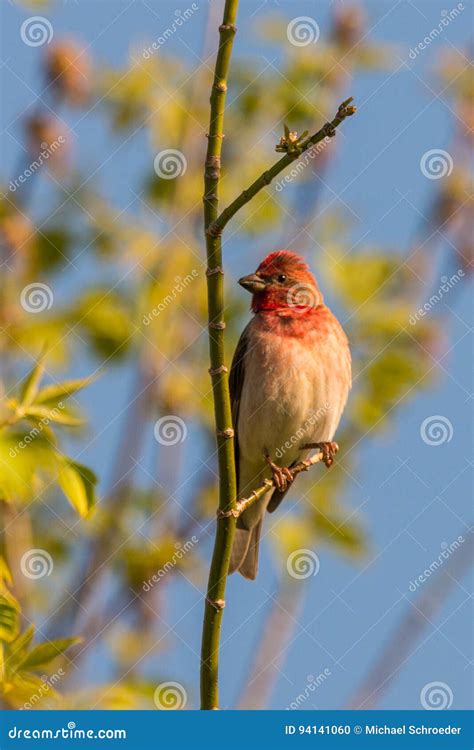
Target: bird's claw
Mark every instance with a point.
(328, 449)
(282, 477)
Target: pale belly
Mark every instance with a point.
(296, 400)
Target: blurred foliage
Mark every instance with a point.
(20, 660)
(34, 4)
(29, 451)
(142, 309)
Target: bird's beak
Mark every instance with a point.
(252, 283)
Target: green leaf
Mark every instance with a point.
(52, 394)
(45, 652)
(78, 484)
(30, 385)
(9, 617)
(335, 529)
(31, 333)
(51, 249)
(58, 414)
(106, 321)
(19, 647)
(25, 690)
(25, 455)
(5, 573)
(127, 695)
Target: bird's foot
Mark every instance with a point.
(328, 450)
(282, 477)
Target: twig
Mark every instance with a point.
(219, 374)
(327, 131)
(246, 502)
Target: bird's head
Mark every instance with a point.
(283, 283)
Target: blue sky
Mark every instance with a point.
(411, 497)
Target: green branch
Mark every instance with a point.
(229, 507)
(219, 373)
(294, 151)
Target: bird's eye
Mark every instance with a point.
(282, 278)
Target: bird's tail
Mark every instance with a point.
(244, 557)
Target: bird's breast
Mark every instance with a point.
(294, 390)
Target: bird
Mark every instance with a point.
(289, 383)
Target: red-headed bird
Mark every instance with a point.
(289, 383)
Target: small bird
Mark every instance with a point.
(289, 383)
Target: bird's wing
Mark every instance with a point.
(236, 384)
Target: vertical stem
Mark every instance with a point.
(219, 373)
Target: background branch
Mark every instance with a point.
(419, 616)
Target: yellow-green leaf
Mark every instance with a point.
(58, 414)
(5, 574)
(30, 385)
(53, 393)
(44, 653)
(19, 647)
(78, 484)
(9, 617)
(24, 455)
(27, 690)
